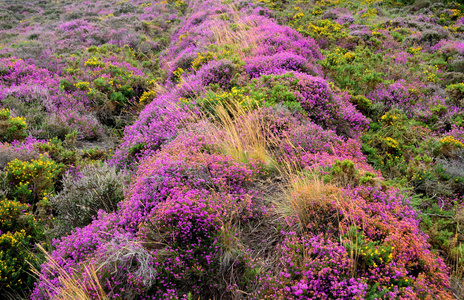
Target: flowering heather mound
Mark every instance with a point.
(200, 60)
(185, 202)
(188, 149)
(180, 202)
(356, 239)
(26, 85)
(157, 124)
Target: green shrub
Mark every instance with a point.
(57, 152)
(456, 92)
(229, 98)
(361, 102)
(117, 97)
(32, 181)
(65, 85)
(345, 172)
(96, 188)
(11, 129)
(19, 231)
(360, 70)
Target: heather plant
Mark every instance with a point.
(321, 270)
(31, 90)
(314, 96)
(73, 286)
(317, 208)
(66, 122)
(157, 124)
(257, 159)
(277, 63)
(190, 231)
(217, 72)
(83, 240)
(172, 204)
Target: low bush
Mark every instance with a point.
(86, 191)
(32, 181)
(19, 231)
(11, 128)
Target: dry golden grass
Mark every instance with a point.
(239, 132)
(73, 287)
(316, 207)
(456, 263)
(353, 243)
(240, 39)
(243, 137)
(309, 200)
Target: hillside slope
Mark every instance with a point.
(231, 150)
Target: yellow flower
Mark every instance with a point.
(450, 140)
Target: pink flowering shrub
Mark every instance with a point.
(34, 90)
(338, 98)
(276, 64)
(217, 72)
(273, 39)
(315, 97)
(314, 268)
(179, 199)
(356, 243)
(157, 124)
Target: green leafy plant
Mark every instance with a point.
(11, 128)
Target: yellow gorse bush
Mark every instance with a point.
(13, 255)
(178, 73)
(413, 50)
(205, 57)
(147, 96)
(371, 2)
(13, 239)
(33, 179)
(94, 62)
(236, 96)
(83, 85)
(431, 72)
(4, 114)
(327, 28)
(329, 2)
(9, 211)
(450, 140)
(337, 57)
(271, 3)
(11, 128)
(391, 118)
(370, 13)
(390, 142)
